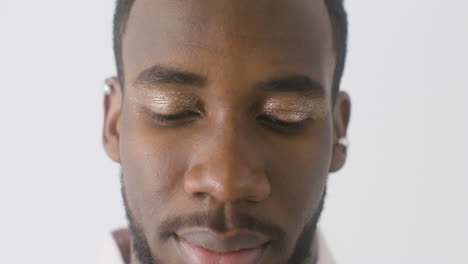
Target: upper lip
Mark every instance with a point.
(231, 241)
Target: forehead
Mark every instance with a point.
(254, 39)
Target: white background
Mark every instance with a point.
(402, 197)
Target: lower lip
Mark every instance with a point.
(199, 255)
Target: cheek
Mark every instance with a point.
(300, 185)
(153, 164)
(298, 173)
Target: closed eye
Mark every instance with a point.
(172, 120)
(281, 125)
(161, 117)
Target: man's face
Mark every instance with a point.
(225, 130)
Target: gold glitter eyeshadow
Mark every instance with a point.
(169, 102)
(295, 108)
(287, 108)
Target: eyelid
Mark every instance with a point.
(170, 120)
(172, 117)
(168, 101)
(281, 127)
(285, 123)
(296, 108)
(289, 116)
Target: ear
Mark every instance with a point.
(341, 115)
(112, 109)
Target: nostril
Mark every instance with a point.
(252, 200)
(199, 195)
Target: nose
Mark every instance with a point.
(227, 169)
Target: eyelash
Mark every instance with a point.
(277, 124)
(174, 120)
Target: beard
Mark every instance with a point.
(301, 252)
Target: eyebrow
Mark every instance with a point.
(157, 75)
(294, 83)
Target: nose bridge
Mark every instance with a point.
(227, 168)
(230, 141)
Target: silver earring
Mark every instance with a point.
(344, 142)
(107, 89)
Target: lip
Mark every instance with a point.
(203, 246)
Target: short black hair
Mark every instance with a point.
(338, 19)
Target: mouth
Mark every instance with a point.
(203, 246)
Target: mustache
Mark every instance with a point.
(216, 220)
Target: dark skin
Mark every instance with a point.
(226, 110)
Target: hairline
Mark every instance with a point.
(335, 12)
